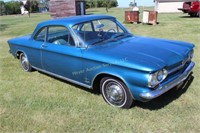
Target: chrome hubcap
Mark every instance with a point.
(24, 63)
(114, 93)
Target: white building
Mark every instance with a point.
(23, 10)
(169, 5)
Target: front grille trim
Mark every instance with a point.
(183, 63)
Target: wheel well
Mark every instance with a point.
(18, 54)
(97, 80)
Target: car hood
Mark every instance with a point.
(141, 53)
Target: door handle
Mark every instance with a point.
(44, 45)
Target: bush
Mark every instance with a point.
(2, 8)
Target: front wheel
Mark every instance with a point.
(25, 63)
(115, 93)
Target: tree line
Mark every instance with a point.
(101, 3)
(13, 7)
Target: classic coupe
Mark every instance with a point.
(97, 52)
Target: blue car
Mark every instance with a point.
(97, 52)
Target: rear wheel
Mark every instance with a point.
(25, 63)
(115, 92)
(193, 14)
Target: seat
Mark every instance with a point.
(60, 42)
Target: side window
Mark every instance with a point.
(59, 35)
(97, 25)
(40, 36)
(107, 25)
(87, 27)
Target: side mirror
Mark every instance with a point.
(98, 26)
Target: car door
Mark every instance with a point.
(60, 56)
(34, 51)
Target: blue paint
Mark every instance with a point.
(130, 58)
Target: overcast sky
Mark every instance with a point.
(125, 3)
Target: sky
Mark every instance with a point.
(125, 3)
(6, 0)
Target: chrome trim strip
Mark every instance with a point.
(177, 68)
(63, 78)
(164, 88)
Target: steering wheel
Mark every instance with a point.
(106, 34)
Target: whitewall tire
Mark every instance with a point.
(115, 92)
(25, 63)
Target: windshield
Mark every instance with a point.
(98, 31)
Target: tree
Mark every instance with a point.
(90, 3)
(110, 3)
(44, 4)
(34, 6)
(101, 3)
(31, 6)
(27, 6)
(2, 8)
(12, 7)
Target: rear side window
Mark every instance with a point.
(59, 35)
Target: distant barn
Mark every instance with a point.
(65, 8)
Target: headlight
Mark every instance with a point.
(157, 77)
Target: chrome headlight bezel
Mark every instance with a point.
(191, 54)
(157, 77)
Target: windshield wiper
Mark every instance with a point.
(112, 38)
(121, 35)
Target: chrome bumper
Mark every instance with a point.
(164, 88)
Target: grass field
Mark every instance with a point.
(35, 102)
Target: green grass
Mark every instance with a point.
(35, 102)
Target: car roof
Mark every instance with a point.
(70, 21)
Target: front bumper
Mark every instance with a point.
(164, 88)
